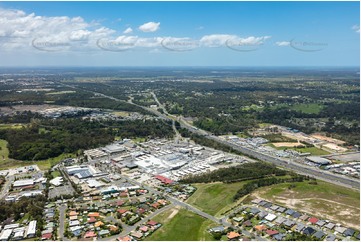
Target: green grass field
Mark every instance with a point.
(56, 174)
(212, 198)
(312, 150)
(11, 126)
(185, 225)
(328, 201)
(312, 108)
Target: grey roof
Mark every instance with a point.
(300, 227)
(349, 232)
(281, 209)
(262, 203)
(319, 234)
(267, 205)
(321, 222)
(262, 214)
(330, 225)
(84, 174)
(330, 237)
(255, 210)
(309, 231)
(218, 229)
(289, 223)
(290, 211)
(296, 215)
(280, 220)
(274, 207)
(278, 236)
(319, 160)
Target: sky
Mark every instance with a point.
(179, 34)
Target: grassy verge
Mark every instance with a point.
(185, 225)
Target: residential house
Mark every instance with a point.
(271, 232)
(296, 215)
(308, 231)
(348, 232)
(278, 236)
(319, 235)
(90, 234)
(330, 226)
(330, 237)
(340, 229)
(233, 235)
(313, 220)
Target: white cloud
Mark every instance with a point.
(356, 28)
(217, 40)
(282, 43)
(149, 27)
(128, 30)
(21, 30)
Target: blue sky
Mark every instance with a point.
(179, 33)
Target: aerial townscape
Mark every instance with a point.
(177, 151)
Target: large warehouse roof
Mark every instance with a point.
(319, 160)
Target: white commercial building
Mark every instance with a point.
(22, 183)
(31, 231)
(5, 235)
(57, 181)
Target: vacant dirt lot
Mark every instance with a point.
(287, 144)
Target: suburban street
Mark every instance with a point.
(62, 216)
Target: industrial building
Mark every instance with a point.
(318, 160)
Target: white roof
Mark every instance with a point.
(19, 234)
(93, 183)
(6, 234)
(73, 223)
(31, 228)
(11, 226)
(57, 181)
(25, 182)
(270, 217)
(74, 228)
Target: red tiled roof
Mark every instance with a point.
(163, 179)
(233, 235)
(313, 220)
(92, 220)
(120, 203)
(90, 234)
(126, 238)
(152, 223)
(121, 211)
(47, 236)
(144, 228)
(271, 232)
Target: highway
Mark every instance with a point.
(294, 166)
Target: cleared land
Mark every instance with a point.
(287, 144)
(180, 224)
(312, 150)
(60, 92)
(323, 200)
(212, 198)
